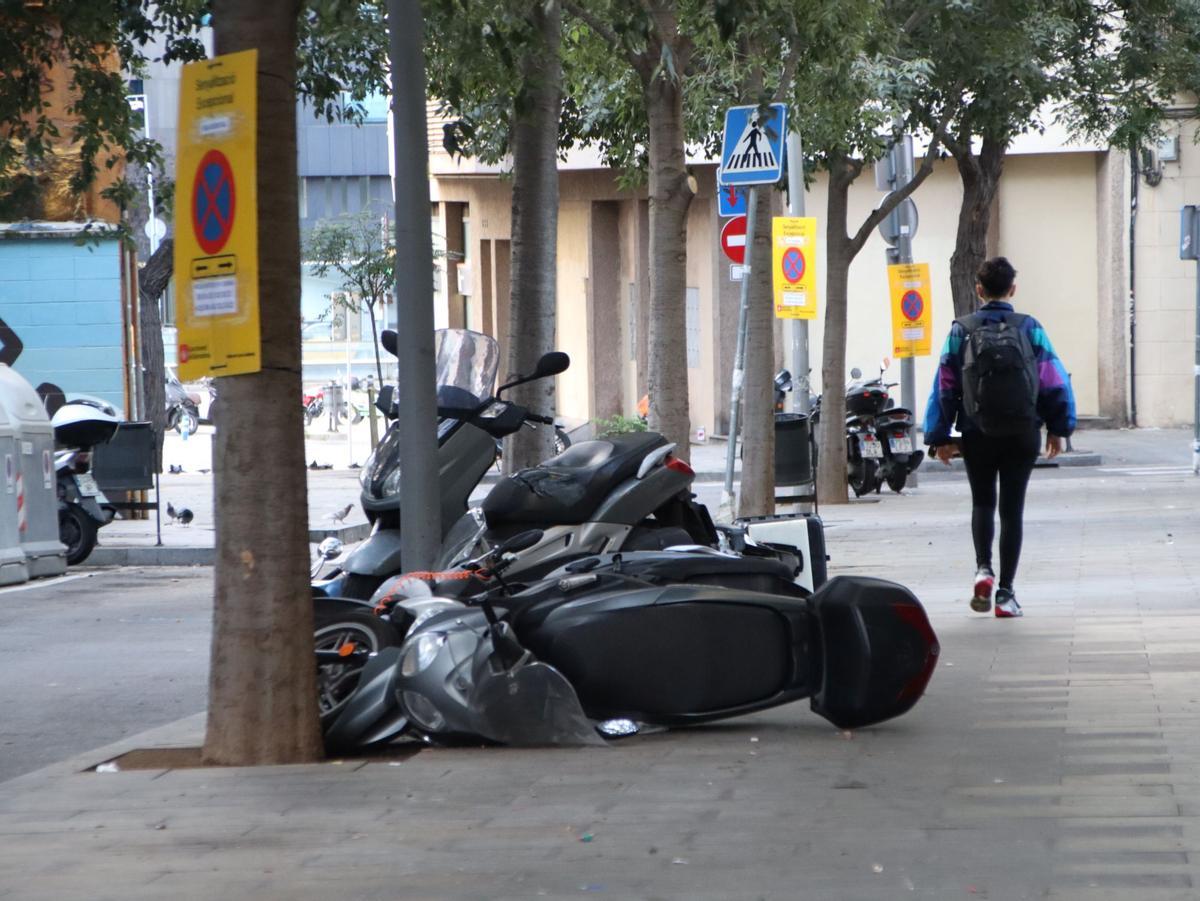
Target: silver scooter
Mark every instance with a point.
(79, 425)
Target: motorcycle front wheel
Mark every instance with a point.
(336, 629)
(897, 478)
(862, 477)
(561, 440)
(77, 531)
(187, 423)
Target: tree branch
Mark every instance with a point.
(898, 196)
(601, 28)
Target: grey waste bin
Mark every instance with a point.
(36, 481)
(12, 558)
(793, 449)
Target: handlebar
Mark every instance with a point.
(543, 420)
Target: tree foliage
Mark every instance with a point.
(98, 44)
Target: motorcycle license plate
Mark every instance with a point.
(87, 485)
(900, 445)
(871, 448)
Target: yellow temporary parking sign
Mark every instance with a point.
(912, 309)
(794, 266)
(216, 215)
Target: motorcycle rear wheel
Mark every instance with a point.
(77, 531)
(897, 478)
(863, 477)
(333, 630)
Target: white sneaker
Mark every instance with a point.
(981, 602)
(1006, 604)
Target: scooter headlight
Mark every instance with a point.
(364, 477)
(422, 711)
(420, 652)
(391, 485)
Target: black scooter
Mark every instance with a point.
(611, 643)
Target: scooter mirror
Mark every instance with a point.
(329, 548)
(856, 373)
(551, 363)
(388, 340)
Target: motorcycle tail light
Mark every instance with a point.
(674, 463)
(916, 618)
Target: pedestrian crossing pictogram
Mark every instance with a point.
(752, 151)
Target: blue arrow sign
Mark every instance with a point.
(752, 149)
(731, 201)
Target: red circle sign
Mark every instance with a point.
(213, 199)
(912, 305)
(733, 239)
(793, 265)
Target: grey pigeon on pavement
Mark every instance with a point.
(340, 515)
(185, 516)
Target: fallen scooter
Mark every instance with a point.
(612, 643)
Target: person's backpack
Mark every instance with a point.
(1000, 375)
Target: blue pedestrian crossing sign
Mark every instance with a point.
(752, 150)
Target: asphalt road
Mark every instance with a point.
(87, 659)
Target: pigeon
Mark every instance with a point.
(171, 514)
(185, 516)
(340, 515)
(175, 469)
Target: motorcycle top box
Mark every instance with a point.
(866, 398)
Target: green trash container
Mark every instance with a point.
(793, 449)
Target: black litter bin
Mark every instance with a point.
(793, 449)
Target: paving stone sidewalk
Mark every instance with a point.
(1054, 757)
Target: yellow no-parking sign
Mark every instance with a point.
(794, 266)
(216, 215)
(912, 310)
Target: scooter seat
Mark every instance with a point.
(567, 489)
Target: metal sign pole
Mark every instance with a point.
(903, 167)
(739, 361)
(798, 327)
(1196, 373)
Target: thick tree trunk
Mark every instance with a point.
(535, 233)
(262, 689)
(757, 495)
(839, 253)
(670, 199)
(152, 282)
(980, 178)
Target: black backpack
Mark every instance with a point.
(1000, 375)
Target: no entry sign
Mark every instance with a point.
(733, 239)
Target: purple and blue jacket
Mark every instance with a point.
(1055, 403)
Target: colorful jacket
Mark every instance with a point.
(1055, 403)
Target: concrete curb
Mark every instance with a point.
(152, 556)
(1075, 458)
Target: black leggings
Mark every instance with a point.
(1012, 459)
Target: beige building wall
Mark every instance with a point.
(1165, 294)
(1047, 221)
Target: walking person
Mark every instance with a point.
(999, 381)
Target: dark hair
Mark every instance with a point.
(995, 276)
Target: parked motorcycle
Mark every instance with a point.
(609, 644)
(892, 454)
(183, 407)
(471, 420)
(79, 426)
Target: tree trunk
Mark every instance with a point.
(757, 495)
(152, 282)
(375, 345)
(839, 253)
(262, 688)
(532, 320)
(980, 178)
(670, 198)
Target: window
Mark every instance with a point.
(302, 197)
(364, 191)
(167, 304)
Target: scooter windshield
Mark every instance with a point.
(467, 360)
(529, 704)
